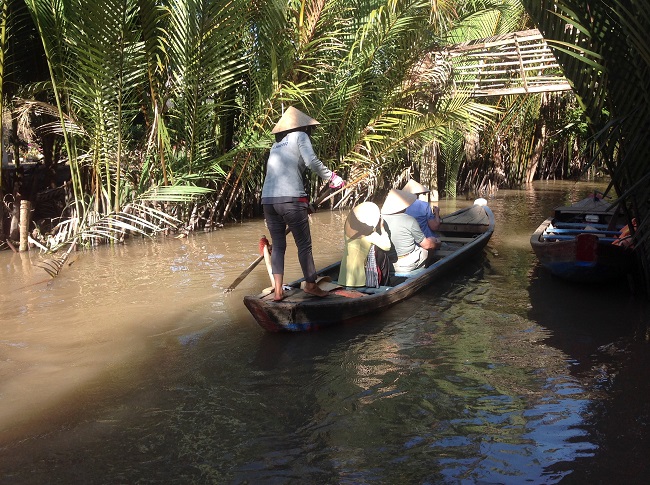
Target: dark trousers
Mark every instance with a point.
(295, 216)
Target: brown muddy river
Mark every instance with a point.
(133, 366)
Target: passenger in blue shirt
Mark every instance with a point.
(420, 209)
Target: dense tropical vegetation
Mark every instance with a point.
(159, 112)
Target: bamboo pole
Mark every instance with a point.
(25, 208)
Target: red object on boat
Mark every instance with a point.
(264, 242)
(587, 248)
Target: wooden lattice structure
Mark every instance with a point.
(514, 63)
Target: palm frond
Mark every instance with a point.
(52, 266)
(175, 193)
(207, 57)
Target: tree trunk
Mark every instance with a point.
(538, 148)
(428, 168)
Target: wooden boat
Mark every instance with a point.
(582, 243)
(464, 234)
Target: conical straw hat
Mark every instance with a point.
(416, 188)
(362, 220)
(293, 118)
(396, 201)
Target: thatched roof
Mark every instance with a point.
(514, 63)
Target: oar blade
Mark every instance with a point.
(244, 274)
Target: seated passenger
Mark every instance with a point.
(428, 219)
(364, 261)
(411, 246)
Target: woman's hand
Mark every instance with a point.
(336, 182)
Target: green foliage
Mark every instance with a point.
(184, 93)
(451, 155)
(357, 67)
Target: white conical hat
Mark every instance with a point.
(293, 118)
(362, 220)
(416, 188)
(396, 201)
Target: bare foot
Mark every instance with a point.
(278, 290)
(313, 289)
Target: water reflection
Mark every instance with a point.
(133, 366)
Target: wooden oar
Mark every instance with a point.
(244, 274)
(267, 260)
(318, 202)
(247, 271)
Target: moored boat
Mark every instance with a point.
(583, 242)
(464, 233)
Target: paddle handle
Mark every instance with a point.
(267, 259)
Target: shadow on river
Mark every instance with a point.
(133, 366)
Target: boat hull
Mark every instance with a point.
(584, 258)
(300, 312)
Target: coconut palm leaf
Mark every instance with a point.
(207, 57)
(102, 76)
(634, 19)
(175, 193)
(51, 24)
(137, 218)
(387, 134)
(153, 21)
(53, 266)
(482, 19)
(24, 109)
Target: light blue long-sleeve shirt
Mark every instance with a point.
(288, 161)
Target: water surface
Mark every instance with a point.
(133, 366)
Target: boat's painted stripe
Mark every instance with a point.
(557, 237)
(555, 230)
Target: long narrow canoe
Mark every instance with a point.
(464, 234)
(580, 243)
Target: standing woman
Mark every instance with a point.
(284, 199)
